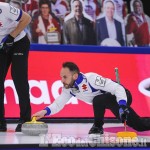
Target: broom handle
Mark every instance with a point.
(117, 75)
(125, 126)
(118, 81)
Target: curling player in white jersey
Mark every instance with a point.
(102, 92)
(14, 49)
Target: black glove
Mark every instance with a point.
(7, 43)
(123, 111)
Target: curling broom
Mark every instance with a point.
(125, 133)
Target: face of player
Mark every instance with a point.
(138, 8)
(68, 77)
(77, 8)
(45, 9)
(109, 10)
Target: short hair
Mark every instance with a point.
(110, 1)
(77, 1)
(42, 2)
(71, 66)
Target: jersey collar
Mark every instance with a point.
(80, 78)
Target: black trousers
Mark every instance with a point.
(17, 57)
(108, 101)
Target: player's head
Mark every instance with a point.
(69, 73)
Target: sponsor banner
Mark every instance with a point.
(45, 83)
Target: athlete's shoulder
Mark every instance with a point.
(95, 79)
(90, 74)
(4, 8)
(4, 5)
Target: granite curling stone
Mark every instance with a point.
(34, 128)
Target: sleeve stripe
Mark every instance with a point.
(48, 111)
(122, 102)
(19, 15)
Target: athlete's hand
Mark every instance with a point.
(7, 43)
(123, 110)
(123, 113)
(39, 114)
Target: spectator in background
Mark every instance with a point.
(78, 29)
(71, 14)
(28, 7)
(137, 26)
(46, 28)
(60, 8)
(31, 7)
(108, 27)
(120, 7)
(92, 8)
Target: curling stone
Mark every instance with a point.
(125, 133)
(34, 128)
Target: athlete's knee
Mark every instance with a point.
(98, 100)
(140, 129)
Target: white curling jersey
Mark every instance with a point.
(86, 87)
(9, 17)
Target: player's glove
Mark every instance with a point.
(123, 110)
(6, 44)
